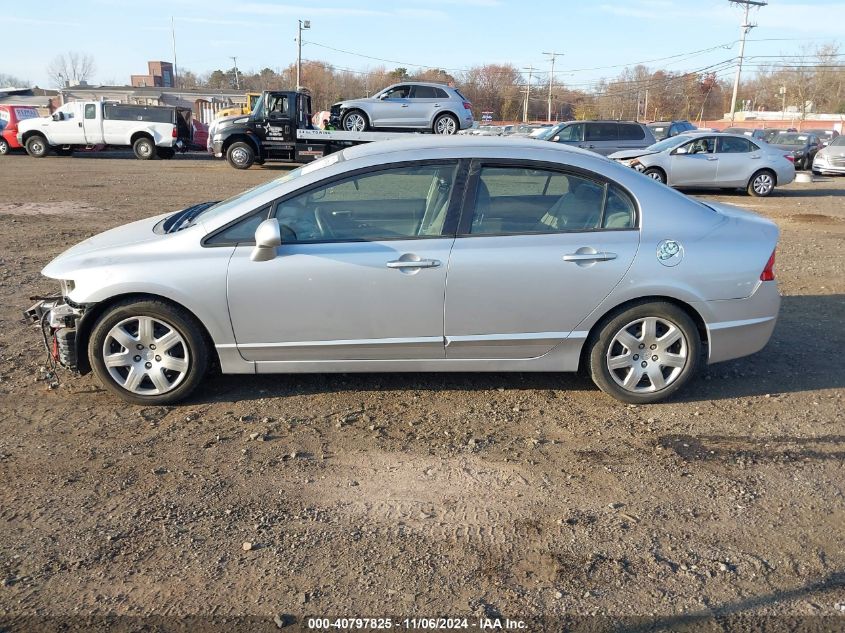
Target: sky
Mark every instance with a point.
(597, 38)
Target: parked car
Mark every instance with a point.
(10, 116)
(754, 132)
(602, 137)
(555, 260)
(665, 129)
(151, 131)
(802, 145)
(831, 159)
(825, 136)
(410, 105)
(709, 160)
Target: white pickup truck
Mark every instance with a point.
(151, 131)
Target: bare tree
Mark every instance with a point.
(9, 81)
(70, 68)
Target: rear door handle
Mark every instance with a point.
(406, 263)
(589, 257)
(754, 157)
(404, 105)
(712, 158)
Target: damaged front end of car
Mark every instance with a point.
(59, 319)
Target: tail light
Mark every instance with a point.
(768, 273)
(789, 157)
(467, 105)
(174, 134)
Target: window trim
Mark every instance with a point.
(474, 173)
(449, 224)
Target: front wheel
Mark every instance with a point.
(4, 146)
(240, 155)
(37, 147)
(645, 353)
(148, 352)
(144, 148)
(354, 121)
(655, 174)
(761, 184)
(446, 124)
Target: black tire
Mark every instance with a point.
(165, 153)
(655, 173)
(603, 344)
(446, 124)
(240, 155)
(761, 184)
(37, 146)
(357, 115)
(193, 347)
(4, 146)
(144, 148)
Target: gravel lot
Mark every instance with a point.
(520, 495)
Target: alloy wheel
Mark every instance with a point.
(647, 355)
(763, 184)
(146, 356)
(446, 125)
(355, 123)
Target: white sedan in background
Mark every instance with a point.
(724, 161)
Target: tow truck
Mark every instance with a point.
(279, 128)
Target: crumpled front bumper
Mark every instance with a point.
(58, 322)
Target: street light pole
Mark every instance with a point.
(746, 27)
(306, 24)
(530, 70)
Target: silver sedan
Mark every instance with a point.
(476, 254)
(713, 160)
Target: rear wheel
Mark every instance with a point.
(761, 184)
(240, 155)
(144, 148)
(655, 174)
(148, 352)
(645, 353)
(354, 121)
(446, 124)
(4, 146)
(37, 147)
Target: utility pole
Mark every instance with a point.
(553, 56)
(237, 77)
(302, 25)
(175, 67)
(746, 27)
(530, 70)
(783, 102)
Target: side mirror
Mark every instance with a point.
(268, 237)
(555, 139)
(681, 150)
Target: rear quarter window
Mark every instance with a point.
(630, 132)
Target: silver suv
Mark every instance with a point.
(602, 137)
(409, 105)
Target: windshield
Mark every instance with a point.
(549, 132)
(222, 207)
(669, 143)
(789, 139)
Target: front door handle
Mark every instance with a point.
(712, 158)
(589, 257)
(404, 105)
(411, 263)
(754, 157)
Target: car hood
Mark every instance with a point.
(347, 102)
(101, 248)
(630, 153)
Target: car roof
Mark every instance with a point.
(433, 84)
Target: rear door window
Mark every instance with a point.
(604, 131)
(423, 92)
(731, 145)
(630, 132)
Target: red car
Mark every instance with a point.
(10, 115)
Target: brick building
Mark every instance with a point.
(160, 75)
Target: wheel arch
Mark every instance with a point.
(694, 314)
(357, 109)
(30, 133)
(240, 138)
(94, 312)
(760, 171)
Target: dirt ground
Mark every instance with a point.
(523, 496)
